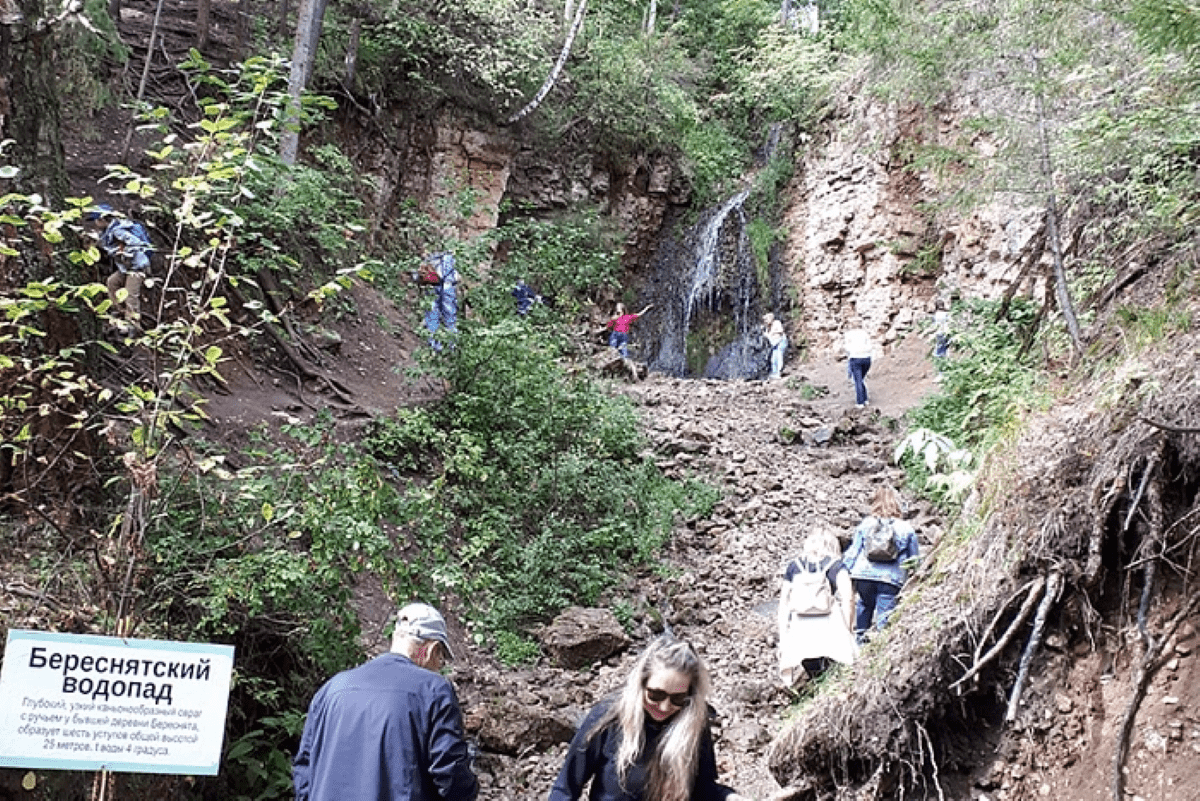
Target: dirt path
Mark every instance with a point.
(723, 581)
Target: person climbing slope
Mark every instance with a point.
(882, 552)
(857, 345)
(439, 274)
(619, 324)
(816, 609)
(651, 740)
(126, 244)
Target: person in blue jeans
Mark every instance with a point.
(858, 348)
(878, 583)
(444, 310)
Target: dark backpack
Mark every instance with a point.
(879, 541)
(811, 594)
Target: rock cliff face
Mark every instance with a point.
(864, 233)
(459, 172)
(861, 238)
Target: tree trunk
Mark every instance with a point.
(1062, 291)
(308, 33)
(552, 78)
(29, 109)
(141, 92)
(244, 16)
(203, 13)
(352, 52)
(282, 24)
(651, 18)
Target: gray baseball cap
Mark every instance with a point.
(425, 623)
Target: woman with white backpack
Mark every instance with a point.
(815, 607)
(879, 558)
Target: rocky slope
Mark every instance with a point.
(719, 581)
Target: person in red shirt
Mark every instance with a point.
(619, 326)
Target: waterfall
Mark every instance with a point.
(705, 274)
(707, 295)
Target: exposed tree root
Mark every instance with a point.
(1151, 661)
(1034, 592)
(923, 736)
(1053, 587)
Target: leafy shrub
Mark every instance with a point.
(544, 497)
(987, 383)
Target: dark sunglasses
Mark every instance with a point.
(678, 700)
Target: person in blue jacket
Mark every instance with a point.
(390, 728)
(127, 245)
(878, 583)
(442, 278)
(652, 739)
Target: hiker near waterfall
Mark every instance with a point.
(879, 558)
(777, 341)
(619, 325)
(651, 739)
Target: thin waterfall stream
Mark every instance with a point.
(709, 297)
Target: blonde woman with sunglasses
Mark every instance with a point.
(651, 741)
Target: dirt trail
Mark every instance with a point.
(720, 593)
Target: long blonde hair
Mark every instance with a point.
(672, 767)
(820, 543)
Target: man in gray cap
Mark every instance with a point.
(390, 728)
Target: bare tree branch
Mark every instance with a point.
(552, 78)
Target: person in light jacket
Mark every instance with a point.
(652, 739)
(857, 345)
(778, 342)
(878, 583)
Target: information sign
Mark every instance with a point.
(81, 702)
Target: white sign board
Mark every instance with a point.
(79, 702)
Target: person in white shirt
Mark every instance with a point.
(857, 344)
(941, 330)
(777, 339)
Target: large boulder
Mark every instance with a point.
(579, 637)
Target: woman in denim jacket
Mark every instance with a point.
(878, 583)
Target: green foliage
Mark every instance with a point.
(543, 496)
(1166, 24)
(278, 541)
(261, 755)
(787, 76)
(486, 54)
(1145, 326)
(83, 57)
(569, 257)
(941, 465)
(714, 159)
(986, 387)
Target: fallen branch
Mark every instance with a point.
(1035, 589)
(1168, 427)
(1053, 585)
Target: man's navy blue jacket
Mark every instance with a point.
(386, 730)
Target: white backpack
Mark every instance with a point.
(811, 594)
